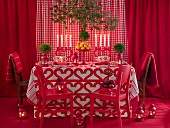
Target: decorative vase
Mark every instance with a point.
(118, 58)
(44, 59)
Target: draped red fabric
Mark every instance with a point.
(148, 30)
(17, 33)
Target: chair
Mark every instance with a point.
(46, 94)
(120, 92)
(15, 66)
(143, 76)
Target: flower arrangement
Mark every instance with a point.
(119, 48)
(45, 48)
(84, 46)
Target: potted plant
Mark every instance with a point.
(119, 48)
(44, 50)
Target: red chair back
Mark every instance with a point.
(145, 62)
(123, 79)
(41, 79)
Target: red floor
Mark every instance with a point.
(8, 117)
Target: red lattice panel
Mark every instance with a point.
(56, 35)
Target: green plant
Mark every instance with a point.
(87, 13)
(84, 36)
(119, 48)
(45, 48)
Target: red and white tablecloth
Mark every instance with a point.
(81, 80)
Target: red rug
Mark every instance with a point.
(9, 118)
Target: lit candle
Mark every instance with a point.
(100, 39)
(95, 40)
(66, 40)
(70, 41)
(108, 40)
(59, 88)
(104, 40)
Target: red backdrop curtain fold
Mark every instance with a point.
(148, 29)
(17, 33)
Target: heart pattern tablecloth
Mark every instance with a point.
(81, 80)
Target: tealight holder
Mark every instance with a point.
(79, 121)
(60, 88)
(22, 114)
(152, 111)
(140, 114)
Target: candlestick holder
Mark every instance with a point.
(83, 57)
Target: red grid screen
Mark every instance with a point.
(57, 36)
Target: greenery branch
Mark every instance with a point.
(88, 13)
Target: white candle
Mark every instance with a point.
(104, 40)
(57, 40)
(61, 40)
(70, 41)
(108, 40)
(100, 39)
(95, 40)
(66, 40)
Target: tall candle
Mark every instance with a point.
(100, 39)
(108, 40)
(57, 40)
(61, 40)
(70, 41)
(104, 40)
(95, 40)
(66, 40)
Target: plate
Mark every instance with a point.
(61, 63)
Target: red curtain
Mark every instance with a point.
(17, 33)
(148, 30)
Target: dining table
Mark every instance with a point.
(79, 79)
